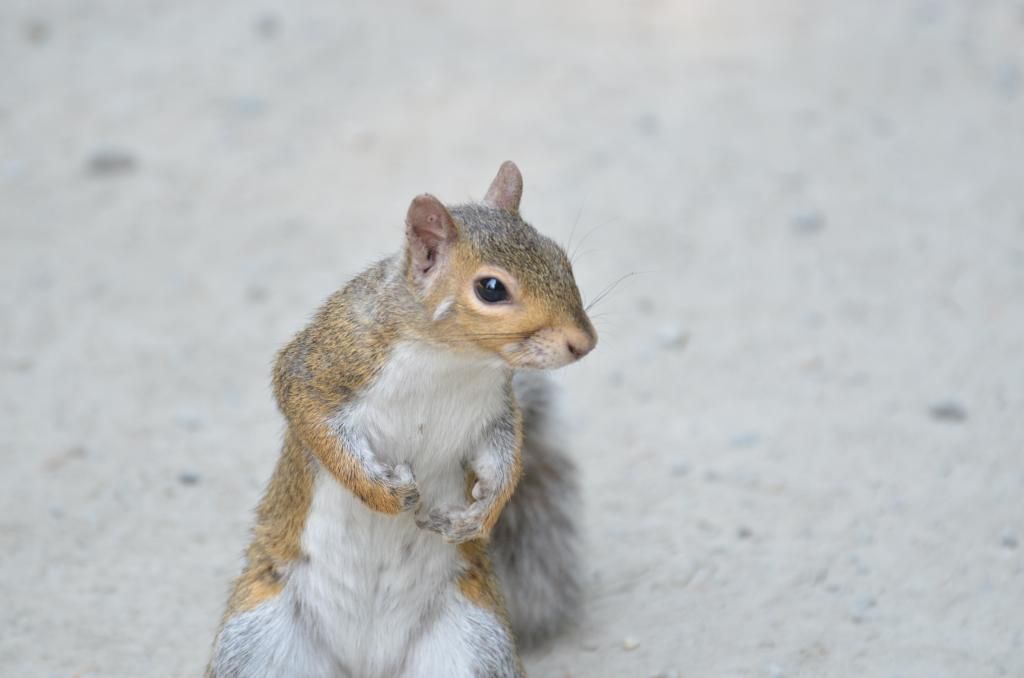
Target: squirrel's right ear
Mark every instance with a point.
(430, 232)
(507, 188)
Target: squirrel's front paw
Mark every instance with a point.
(401, 483)
(456, 525)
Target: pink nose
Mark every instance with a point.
(580, 343)
(577, 352)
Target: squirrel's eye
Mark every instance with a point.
(491, 290)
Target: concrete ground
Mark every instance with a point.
(802, 433)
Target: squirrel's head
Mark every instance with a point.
(489, 281)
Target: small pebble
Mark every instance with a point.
(109, 162)
(1009, 541)
(747, 439)
(882, 126)
(630, 643)
(792, 182)
(681, 468)
(744, 532)
(808, 222)
(648, 124)
(248, 107)
(928, 12)
(860, 608)
(60, 460)
(814, 320)
(22, 365)
(362, 140)
(1008, 80)
(707, 526)
(188, 478)
(11, 168)
(746, 478)
(189, 421)
(268, 26)
(673, 337)
(590, 646)
(257, 294)
(948, 410)
(37, 31)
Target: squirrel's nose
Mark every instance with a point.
(579, 343)
(577, 353)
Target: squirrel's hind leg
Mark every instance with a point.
(269, 640)
(464, 640)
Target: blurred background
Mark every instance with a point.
(801, 436)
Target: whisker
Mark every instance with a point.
(583, 240)
(493, 335)
(606, 314)
(575, 223)
(572, 260)
(609, 289)
(576, 250)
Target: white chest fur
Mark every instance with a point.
(368, 571)
(428, 408)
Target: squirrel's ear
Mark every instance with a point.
(506, 189)
(430, 232)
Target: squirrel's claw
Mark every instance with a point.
(456, 525)
(401, 482)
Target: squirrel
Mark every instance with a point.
(415, 401)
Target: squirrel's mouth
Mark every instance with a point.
(545, 349)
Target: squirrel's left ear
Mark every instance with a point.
(507, 188)
(430, 232)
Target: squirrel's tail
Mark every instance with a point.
(535, 544)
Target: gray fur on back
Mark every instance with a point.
(535, 544)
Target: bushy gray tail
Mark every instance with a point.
(535, 544)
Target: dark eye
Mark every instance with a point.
(491, 290)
